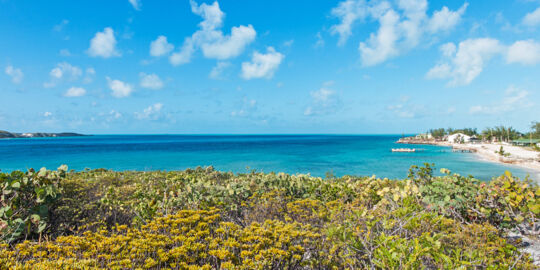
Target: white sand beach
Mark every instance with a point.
(515, 155)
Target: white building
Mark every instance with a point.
(458, 138)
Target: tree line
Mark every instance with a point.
(498, 133)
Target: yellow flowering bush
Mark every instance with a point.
(204, 219)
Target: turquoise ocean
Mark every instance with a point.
(364, 155)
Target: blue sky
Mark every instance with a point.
(354, 66)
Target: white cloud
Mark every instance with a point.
(448, 49)
(75, 92)
(63, 71)
(66, 69)
(218, 70)
(160, 47)
(15, 73)
(401, 28)
(262, 65)
(445, 19)
(532, 18)
(119, 88)
(226, 47)
(210, 38)
(513, 99)
(526, 52)
(382, 45)
(348, 12)
(184, 55)
(103, 44)
(465, 64)
(414, 12)
(150, 81)
(323, 101)
(47, 114)
(153, 112)
(136, 4)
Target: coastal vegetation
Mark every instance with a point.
(439, 133)
(498, 133)
(203, 218)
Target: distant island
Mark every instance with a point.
(5, 134)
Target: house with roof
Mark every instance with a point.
(458, 138)
(526, 142)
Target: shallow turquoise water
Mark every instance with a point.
(315, 154)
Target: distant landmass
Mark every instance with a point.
(5, 134)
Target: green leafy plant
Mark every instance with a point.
(203, 218)
(26, 201)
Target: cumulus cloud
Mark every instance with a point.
(532, 18)
(348, 12)
(136, 4)
(15, 73)
(119, 88)
(225, 47)
(218, 70)
(448, 49)
(153, 112)
(75, 92)
(210, 38)
(183, 56)
(262, 65)
(513, 99)
(63, 71)
(401, 27)
(103, 44)
(445, 19)
(160, 47)
(382, 45)
(323, 101)
(150, 81)
(526, 52)
(463, 65)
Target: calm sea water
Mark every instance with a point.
(315, 154)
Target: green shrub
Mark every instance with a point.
(202, 218)
(26, 201)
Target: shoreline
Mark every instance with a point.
(518, 156)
